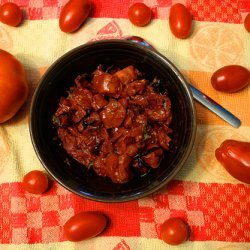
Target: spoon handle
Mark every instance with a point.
(215, 107)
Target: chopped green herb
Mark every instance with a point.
(155, 83)
(164, 104)
(145, 133)
(90, 165)
(69, 94)
(55, 120)
(67, 161)
(146, 136)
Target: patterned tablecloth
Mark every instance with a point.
(216, 206)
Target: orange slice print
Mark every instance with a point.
(207, 142)
(214, 46)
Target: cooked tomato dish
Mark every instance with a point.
(115, 122)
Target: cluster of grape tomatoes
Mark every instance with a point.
(75, 12)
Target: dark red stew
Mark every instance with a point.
(115, 122)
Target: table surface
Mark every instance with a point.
(216, 206)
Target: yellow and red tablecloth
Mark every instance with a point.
(215, 205)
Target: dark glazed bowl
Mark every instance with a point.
(84, 59)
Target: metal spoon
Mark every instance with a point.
(197, 94)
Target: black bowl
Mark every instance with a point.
(84, 59)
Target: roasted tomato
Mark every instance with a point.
(84, 225)
(113, 114)
(247, 22)
(107, 84)
(127, 74)
(35, 182)
(159, 107)
(153, 159)
(13, 86)
(175, 231)
(118, 167)
(230, 78)
(235, 157)
(73, 15)
(163, 138)
(180, 21)
(139, 14)
(115, 123)
(10, 14)
(98, 102)
(136, 87)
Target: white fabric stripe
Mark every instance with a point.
(135, 243)
(29, 42)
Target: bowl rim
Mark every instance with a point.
(181, 78)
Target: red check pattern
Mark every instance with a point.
(229, 11)
(211, 210)
(220, 11)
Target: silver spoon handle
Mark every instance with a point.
(215, 107)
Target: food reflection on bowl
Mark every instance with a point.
(63, 163)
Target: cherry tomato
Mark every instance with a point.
(139, 14)
(10, 14)
(175, 231)
(247, 22)
(180, 21)
(235, 157)
(13, 86)
(35, 182)
(84, 225)
(230, 78)
(73, 15)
